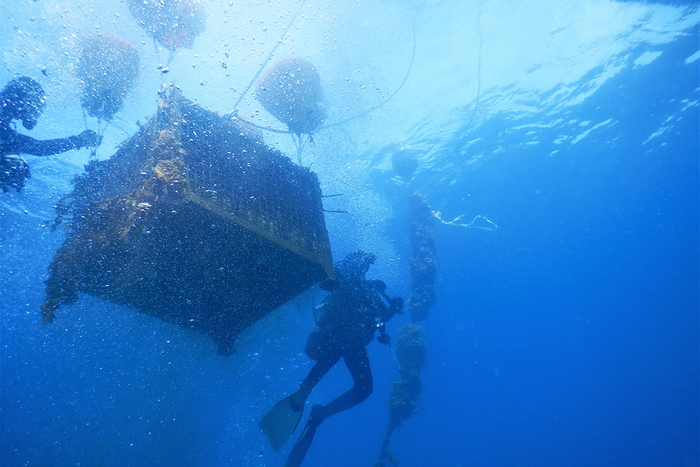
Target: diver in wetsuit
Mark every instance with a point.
(348, 318)
(24, 99)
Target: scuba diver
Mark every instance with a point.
(24, 99)
(347, 319)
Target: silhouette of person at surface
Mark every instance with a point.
(348, 318)
(23, 99)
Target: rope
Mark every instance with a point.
(478, 67)
(391, 96)
(340, 122)
(269, 56)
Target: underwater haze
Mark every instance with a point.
(557, 143)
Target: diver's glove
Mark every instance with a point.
(383, 337)
(13, 172)
(86, 139)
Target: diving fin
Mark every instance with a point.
(296, 456)
(280, 422)
(301, 448)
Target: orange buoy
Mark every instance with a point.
(107, 70)
(290, 89)
(173, 23)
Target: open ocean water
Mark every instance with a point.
(566, 328)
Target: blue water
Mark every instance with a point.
(568, 336)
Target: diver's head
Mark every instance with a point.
(22, 99)
(355, 265)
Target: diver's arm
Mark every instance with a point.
(23, 144)
(395, 306)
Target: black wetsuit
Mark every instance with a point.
(12, 142)
(14, 170)
(350, 316)
(347, 320)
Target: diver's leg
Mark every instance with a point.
(298, 452)
(319, 370)
(316, 374)
(357, 362)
